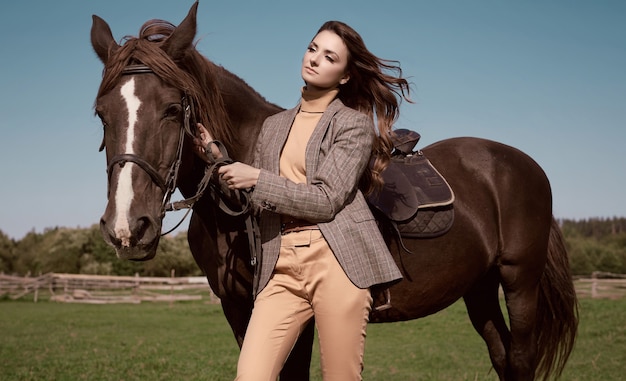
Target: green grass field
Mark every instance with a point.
(192, 341)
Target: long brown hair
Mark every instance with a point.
(376, 88)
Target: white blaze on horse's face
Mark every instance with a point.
(124, 193)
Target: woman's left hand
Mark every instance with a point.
(239, 175)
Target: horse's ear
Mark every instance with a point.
(102, 39)
(182, 37)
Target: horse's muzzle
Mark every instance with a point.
(138, 241)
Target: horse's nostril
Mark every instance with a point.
(109, 235)
(143, 224)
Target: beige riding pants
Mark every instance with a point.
(308, 281)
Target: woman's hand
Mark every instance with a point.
(201, 141)
(239, 175)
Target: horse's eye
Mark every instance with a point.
(172, 111)
(104, 123)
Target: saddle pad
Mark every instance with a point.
(428, 223)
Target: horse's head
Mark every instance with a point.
(146, 102)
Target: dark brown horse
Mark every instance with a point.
(504, 235)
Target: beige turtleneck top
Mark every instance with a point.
(292, 158)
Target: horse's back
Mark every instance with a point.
(486, 159)
(487, 175)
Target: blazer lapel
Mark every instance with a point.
(315, 142)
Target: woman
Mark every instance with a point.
(322, 250)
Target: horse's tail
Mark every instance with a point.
(557, 312)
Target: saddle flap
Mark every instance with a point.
(411, 184)
(430, 186)
(397, 200)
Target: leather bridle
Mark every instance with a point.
(168, 185)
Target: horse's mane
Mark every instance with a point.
(192, 74)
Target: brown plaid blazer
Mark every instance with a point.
(336, 156)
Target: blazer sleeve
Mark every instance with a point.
(334, 182)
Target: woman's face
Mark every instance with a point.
(325, 62)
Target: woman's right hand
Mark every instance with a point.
(239, 175)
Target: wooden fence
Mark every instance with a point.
(103, 289)
(601, 285)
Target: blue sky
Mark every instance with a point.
(548, 77)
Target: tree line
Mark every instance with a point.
(83, 251)
(596, 244)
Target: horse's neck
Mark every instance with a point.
(247, 110)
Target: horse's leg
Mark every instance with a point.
(236, 303)
(512, 352)
(483, 308)
(521, 302)
(521, 265)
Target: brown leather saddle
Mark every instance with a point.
(416, 198)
